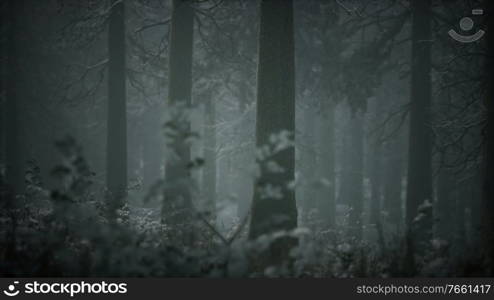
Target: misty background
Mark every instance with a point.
(244, 138)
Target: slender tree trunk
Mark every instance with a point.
(307, 166)
(225, 188)
(392, 188)
(13, 153)
(246, 156)
(419, 188)
(4, 26)
(487, 232)
(14, 171)
(245, 184)
(209, 173)
(463, 195)
(326, 165)
(376, 182)
(116, 146)
(242, 158)
(475, 217)
(134, 156)
(177, 174)
(356, 190)
(445, 206)
(152, 147)
(275, 114)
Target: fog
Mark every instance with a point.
(244, 138)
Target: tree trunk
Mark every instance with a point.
(419, 188)
(152, 147)
(356, 178)
(475, 207)
(14, 166)
(487, 231)
(275, 115)
(463, 195)
(116, 146)
(177, 195)
(209, 173)
(445, 207)
(4, 27)
(326, 165)
(393, 187)
(307, 167)
(376, 182)
(245, 158)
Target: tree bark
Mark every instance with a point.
(419, 188)
(4, 27)
(306, 166)
(209, 173)
(275, 114)
(116, 147)
(356, 178)
(177, 174)
(393, 187)
(376, 182)
(14, 173)
(475, 207)
(352, 178)
(487, 231)
(152, 147)
(445, 206)
(326, 199)
(463, 195)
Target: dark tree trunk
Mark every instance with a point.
(419, 188)
(225, 167)
(463, 195)
(445, 206)
(356, 178)
(475, 207)
(177, 174)
(246, 156)
(326, 165)
(275, 114)
(392, 190)
(14, 166)
(352, 178)
(116, 146)
(487, 232)
(209, 172)
(152, 148)
(307, 167)
(376, 182)
(3, 87)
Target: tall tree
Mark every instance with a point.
(116, 147)
(376, 181)
(306, 165)
(326, 165)
(14, 166)
(392, 190)
(463, 194)
(272, 211)
(355, 181)
(209, 172)
(177, 174)
(475, 207)
(487, 231)
(151, 148)
(331, 47)
(419, 188)
(445, 206)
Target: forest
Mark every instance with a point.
(247, 138)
